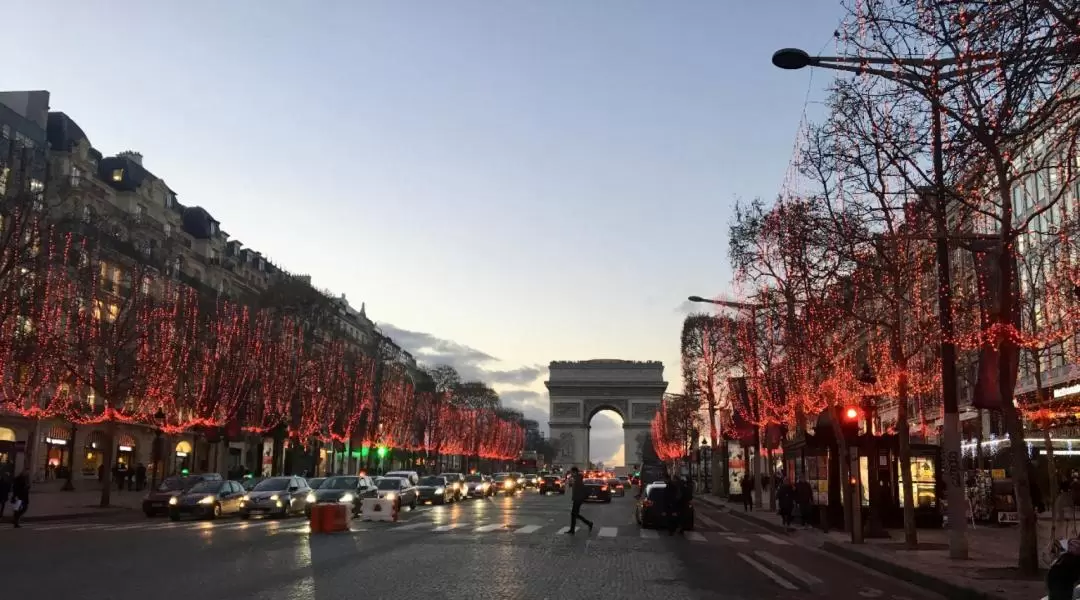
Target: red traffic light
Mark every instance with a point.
(851, 413)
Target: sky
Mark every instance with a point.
(502, 183)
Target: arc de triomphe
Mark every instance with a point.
(580, 389)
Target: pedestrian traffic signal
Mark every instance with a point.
(851, 414)
(381, 452)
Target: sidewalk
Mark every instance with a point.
(49, 503)
(989, 574)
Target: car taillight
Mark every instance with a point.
(647, 503)
(603, 488)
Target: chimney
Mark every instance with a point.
(135, 157)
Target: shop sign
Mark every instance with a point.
(55, 441)
(1008, 517)
(1072, 390)
(124, 448)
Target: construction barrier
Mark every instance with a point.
(329, 518)
(379, 509)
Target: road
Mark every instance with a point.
(509, 548)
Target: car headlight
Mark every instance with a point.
(391, 496)
(246, 498)
(440, 491)
(509, 484)
(274, 498)
(173, 501)
(485, 485)
(311, 498)
(347, 497)
(207, 500)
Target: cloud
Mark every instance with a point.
(533, 404)
(472, 364)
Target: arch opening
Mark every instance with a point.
(607, 448)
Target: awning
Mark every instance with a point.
(96, 440)
(58, 432)
(126, 440)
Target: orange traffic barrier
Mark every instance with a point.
(316, 521)
(335, 518)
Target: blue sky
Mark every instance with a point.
(504, 183)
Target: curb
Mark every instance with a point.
(111, 511)
(935, 584)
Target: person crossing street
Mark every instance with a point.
(578, 495)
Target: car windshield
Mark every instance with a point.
(550, 479)
(172, 484)
(390, 483)
(656, 492)
(593, 482)
(502, 477)
(340, 483)
(399, 475)
(275, 484)
(315, 482)
(432, 480)
(474, 478)
(613, 481)
(207, 487)
(249, 484)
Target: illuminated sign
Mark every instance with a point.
(1067, 391)
(124, 448)
(55, 441)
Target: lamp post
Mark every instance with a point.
(924, 76)
(159, 420)
(752, 309)
(706, 456)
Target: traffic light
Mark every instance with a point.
(380, 452)
(849, 421)
(851, 414)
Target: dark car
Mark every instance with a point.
(530, 480)
(478, 486)
(276, 496)
(456, 483)
(398, 489)
(315, 482)
(250, 483)
(597, 490)
(157, 501)
(650, 511)
(617, 487)
(207, 500)
(551, 483)
(504, 483)
(344, 489)
(434, 490)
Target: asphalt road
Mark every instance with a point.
(509, 548)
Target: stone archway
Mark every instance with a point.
(578, 390)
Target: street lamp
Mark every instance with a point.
(159, 420)
(924, 76)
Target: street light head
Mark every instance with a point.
(696, 299)
(791, 58)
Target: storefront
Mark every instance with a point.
(57, 452)
(125, 451)
(182, 457)
(93, 454)
(9, 449)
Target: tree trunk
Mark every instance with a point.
(903, 434)
(758, 475)
(107, 460)
(1028, 552)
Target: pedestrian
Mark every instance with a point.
(1063, 575)
(578, 494)
(20, 495)
(140, 477)
(804, 497)
(785, 498)
(672, 503)
(747, 499)
(686, 496)
(5, 489)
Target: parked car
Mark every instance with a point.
(617, 488)
(276, 496)
(412, 476)
(207, 499)
(157, 501)
(552, 484)
(478, 486)
(344, 489)
(456, 482)
(398, 489)
(649, 509)
(597, 490)
(434, 489)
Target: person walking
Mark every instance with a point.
(804, 497)
(785, 498)
(578, 494)
(747, 499)
(5, 489)
(140, 477)
(20, 495)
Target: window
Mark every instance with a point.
(37, 186)
(5, 172)
(5, 132)
(140, 210)
(168, 230)
(76, 176)
(168, 199)
(118, 175)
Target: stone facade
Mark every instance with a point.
(580, 389)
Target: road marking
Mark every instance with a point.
(447, 527)
(773, 539)
(725, 533)
(780, 581)
(706, 521)
(51, 527)
(410, 526)
(91, 527)
(791, 569)
(737, 540)
(136, 526)
(529, 529)
(608, 532)
(489, 528)
(694, 536)
(649, 534)
(565, 529)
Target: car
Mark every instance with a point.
(398, 489)
(208, 499)
(250, 483)
(531, 480)
(597, 490)
(478, 486)
(343, 489)
(157, 501)
(456, 483)
(649, 509)
(435, 489)
(412, 476)
(617, 487)
(552, 484)
(504, 483)
(315, 482)
(276, 497)
(519, 479)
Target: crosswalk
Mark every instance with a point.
(419, 526)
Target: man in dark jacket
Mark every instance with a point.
(20, 495)
(578, 495)
(5, 489)
(673, 495)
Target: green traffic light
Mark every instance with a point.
(184, 472)
(365, 450)
(381, 451)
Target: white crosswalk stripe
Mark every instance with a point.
(773, 539)
(489, 528)
(529, 529)
(649, 534)
(608, 532)
(409, 527)
(564, 529)
(694, 536)
(448, 527)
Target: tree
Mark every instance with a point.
(706, 360)
(476, 395)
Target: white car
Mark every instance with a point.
(412, 476)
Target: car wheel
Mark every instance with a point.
(217, 512)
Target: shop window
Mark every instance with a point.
(7, 435)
